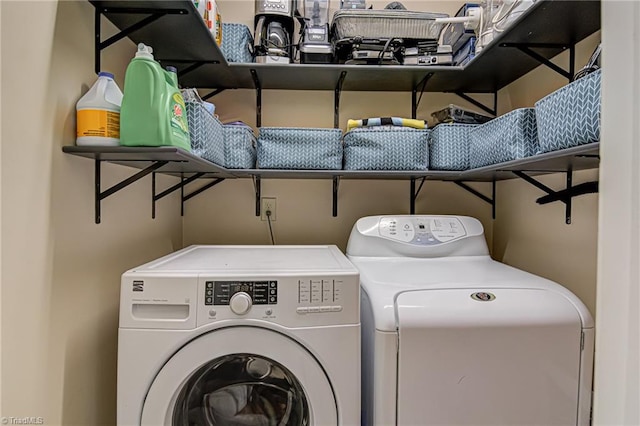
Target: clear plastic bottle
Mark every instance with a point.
(98, 113)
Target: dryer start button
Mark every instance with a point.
(240, 303)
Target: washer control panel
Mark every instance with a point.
(425, 231)
(295, 300)
(220, 293)
(319, 295)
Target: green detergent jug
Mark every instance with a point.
(153, 112)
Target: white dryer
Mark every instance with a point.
(240, 335)
(452, 337)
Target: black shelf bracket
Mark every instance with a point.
(415, 100)
(212, 94)
(154, 15)
(336, 185)
(336, 100)
(192, 65)
(414, 193)
(258, 191)
(256, 82)
(491, 201)
(187, 197)
(156, 197)
(101, 195)
(564, 195)
(493, 111)
(526, 48)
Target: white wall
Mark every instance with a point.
(617, 374)
(60, 271)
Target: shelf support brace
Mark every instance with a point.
(101, 195)
(336, 100)
(414, 194)
(189, 196)
(526, 49)
(256, 82)
(155, 14)
(566, 195)
(183, 182)
(415, 100)
(258, 191)
(336, 185)
(212, 94)
(491, 201)
(480, 105)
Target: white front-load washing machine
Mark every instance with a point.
(452, 337)
(240, 335)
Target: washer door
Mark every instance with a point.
(241, 376)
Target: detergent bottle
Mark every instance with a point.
(153, 111)
(98, 113)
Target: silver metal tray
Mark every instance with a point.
(386, 23)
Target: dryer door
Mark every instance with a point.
(241, 376)
(487, 357)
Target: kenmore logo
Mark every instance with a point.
(138, 286)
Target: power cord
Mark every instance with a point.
(268, 213)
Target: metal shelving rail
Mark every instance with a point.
(177, 162)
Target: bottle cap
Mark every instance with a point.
(144, 51)
(105, 74)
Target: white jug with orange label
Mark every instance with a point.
(98, 113)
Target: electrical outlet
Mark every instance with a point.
(268, 204)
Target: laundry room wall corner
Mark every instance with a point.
(61, 273)
(535, 237)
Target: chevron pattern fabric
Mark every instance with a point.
(237, 43)
(299, 148)
(386, 148)
(205, 131)
(449, 146)
(239, 147)
(508, 137)
(570, 116)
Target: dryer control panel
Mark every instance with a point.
(422, 230)
(419, 236)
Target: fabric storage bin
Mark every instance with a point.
(239, 147)
(237, 43)
(386, 148)
(299, 148)
(207, 139)
(508, 137)
(449, 146)
(570, 116)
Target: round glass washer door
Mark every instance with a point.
(240, 376)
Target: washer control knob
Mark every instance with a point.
(240, 303)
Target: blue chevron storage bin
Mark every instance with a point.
(299, 148)
(570, 116)
(237, 43)
(449, 146)
(205, 131)
(239, 147)
(386, 148)
(509, 137)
